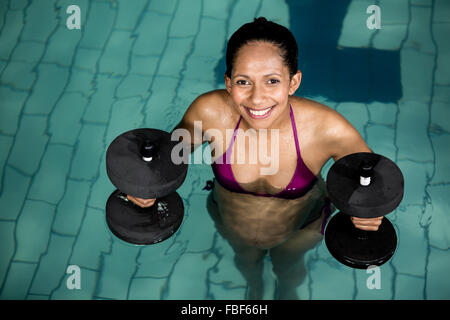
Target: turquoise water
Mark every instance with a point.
(66, 94)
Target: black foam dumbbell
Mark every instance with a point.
(139, 163)
(364, 185)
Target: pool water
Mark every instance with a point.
(65, 94)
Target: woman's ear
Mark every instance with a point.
(295, 82)
(227, 83)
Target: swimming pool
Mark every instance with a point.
(65, 94)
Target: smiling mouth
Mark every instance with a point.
(259, 113)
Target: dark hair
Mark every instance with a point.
(262, 30)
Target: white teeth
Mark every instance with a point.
(261, 112)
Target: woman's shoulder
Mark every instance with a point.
(311, 114)
(211, 109)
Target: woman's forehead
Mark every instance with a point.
(262, 60)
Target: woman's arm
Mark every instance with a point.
(344, 139)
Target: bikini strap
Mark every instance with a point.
(227, 153)
(295, 132)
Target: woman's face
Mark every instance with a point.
(260, 84)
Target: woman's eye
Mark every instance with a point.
(241, 82)
(273, 81)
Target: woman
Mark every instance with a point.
(282, 214)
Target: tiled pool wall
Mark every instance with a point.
(66, 94)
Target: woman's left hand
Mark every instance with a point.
(367, 224)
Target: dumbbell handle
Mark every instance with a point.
(148, 150)
(365, 173)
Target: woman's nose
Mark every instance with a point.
(257, 95)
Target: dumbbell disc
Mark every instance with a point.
(144, 226)
(131, 174)
(347, 248)
(380, 197)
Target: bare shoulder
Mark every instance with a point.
(210, 108)
(331, 130)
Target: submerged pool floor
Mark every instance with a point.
(66, 94)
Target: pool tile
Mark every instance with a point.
(438, 285)
(392, 12)
(382, 113)
(102, 188)
(441, 11)
(381, 140)
(98, 26)
(50, 180)
(64, 124)
(51, 80)
(217, 10)
(145, 65)
(62, 46)
(100, 103)
(415, 178)
(7, 246)
(157, 260)
(188, 280)
(87, 58)
(390, 36)
(29, 145)
(18, 281)
(147, 288)
(41, 21)
(135, 85)
(10, 32)
(127, 15)
(354, 32)
(411, 241)
(412, 63)
(242, 12)
(172, 62)
(80, 81)
(12, 104)
(14, 191)
(419, 37)
(409, 287)
(161, 94)
(117, 270)
(356, 113)
(126, 115)
(196, 215)
(27, 51)
(438, 217)
(155, 27)
(163, 6)
(52, 266)
(93, 240)
(411, 131)
(335, 283)
(440, 33)
(117, 50)
(275, 10)
(19, 75)
(88, 152)
(186, 19)
(71, 209)
(33, 230)
(442, 154)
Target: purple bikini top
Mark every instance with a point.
(302, 181)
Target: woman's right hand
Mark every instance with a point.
(143, 203)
